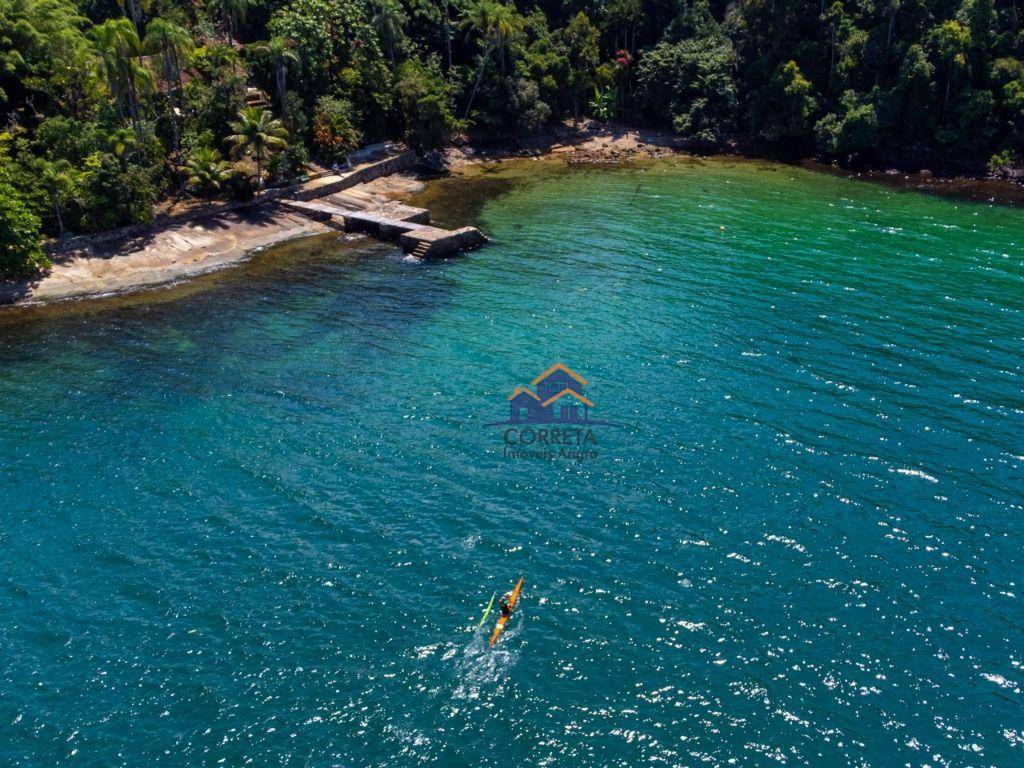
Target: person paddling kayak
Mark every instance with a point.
(504, 606)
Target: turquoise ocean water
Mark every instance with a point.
(254, 525)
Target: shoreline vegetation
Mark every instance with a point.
(115, 113)
(167, 254)
(593, 142)
(181, 250)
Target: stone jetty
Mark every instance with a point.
(392, 221)
(324, 199)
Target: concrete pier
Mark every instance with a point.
(429, 242)
(392, 221)
(326, 200)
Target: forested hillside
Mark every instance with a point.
(110, 106)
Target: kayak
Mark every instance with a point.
(487, 612)
(502, 621)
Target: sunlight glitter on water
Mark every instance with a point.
(259, 522)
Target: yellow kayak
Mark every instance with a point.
(500, 626)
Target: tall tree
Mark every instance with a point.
(389, 20)
(133, 9)
(788, 108)
(624, 16)
(950, 41)
(495, 25)
(281, 54)
(580, 37)
(231, 12)
(173, 44)
(257, 133)
(120, 62)
(448, 32)
(56, 178)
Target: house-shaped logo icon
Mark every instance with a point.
(559, 399)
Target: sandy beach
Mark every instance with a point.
(185, 250)
(178, 252)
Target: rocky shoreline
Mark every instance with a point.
(599, 144)
(177, 252)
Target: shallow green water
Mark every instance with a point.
(255, 525)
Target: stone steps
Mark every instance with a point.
(432, 242)
(254, 97)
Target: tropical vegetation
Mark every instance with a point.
(109, 108)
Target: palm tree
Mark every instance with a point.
(281, 53)
(231, 12)
(389, 20)
(207, 170)
(496, 24)
(120, 140)
(448, 33)
(134, 11)
(174, 45)
(56, 179)
(256, 132)
(120, 62)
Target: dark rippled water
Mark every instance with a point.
(255, 524)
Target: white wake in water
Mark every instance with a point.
(479, 668)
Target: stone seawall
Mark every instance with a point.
(328, 185)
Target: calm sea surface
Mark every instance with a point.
(256, 524)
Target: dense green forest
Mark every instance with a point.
(110, 107)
